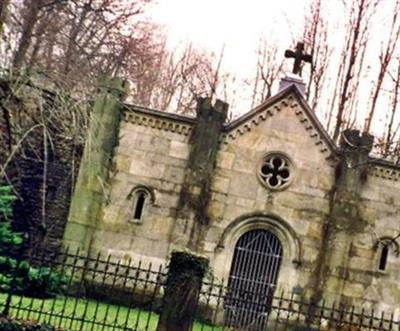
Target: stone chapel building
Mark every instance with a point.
(267, 197)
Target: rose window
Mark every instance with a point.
(275, 171)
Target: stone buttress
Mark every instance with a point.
(344, 220)
(93, 175)
(192, 219)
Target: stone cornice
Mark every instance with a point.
(290, 97)
(287, 98)
(385, 173)
(385, 170)
(158, 119)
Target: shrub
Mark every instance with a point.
(9, 240)
(34, 282)
(8, 324)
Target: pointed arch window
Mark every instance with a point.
(141, 197)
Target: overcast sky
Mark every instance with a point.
(238, 24)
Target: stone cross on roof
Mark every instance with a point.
(298, 55)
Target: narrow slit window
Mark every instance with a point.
(383, 258)
(140, 200)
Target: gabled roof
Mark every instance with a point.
(289, 97)
(243, 123)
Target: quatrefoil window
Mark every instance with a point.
(275, 171)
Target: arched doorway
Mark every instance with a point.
(252, 279)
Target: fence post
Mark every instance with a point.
(13, 282)
(184, 279)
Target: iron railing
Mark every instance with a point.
(98, 293)
(236, 309)
(94, 293)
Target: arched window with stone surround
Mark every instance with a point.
(140, 198)
(386, 246)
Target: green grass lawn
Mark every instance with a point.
(87, 315)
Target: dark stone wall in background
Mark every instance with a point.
(44, 222)
(33, 179)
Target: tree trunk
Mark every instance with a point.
(30, 19)
(3, 13)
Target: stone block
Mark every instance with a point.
(302, 201)
(372, 190)
(148, 247)
(254, 141)
(225, 160)
(358, 251)
(233, 212)
(118, 241)
(362, 263)
(245, 164)
(244, 185)
(179, 150)
(175, 174)
(301, 226)
(314, 231)
(127, 136)
(215, 196)
(310, 253)
(216, 210)
(123, 162)
(143, 141)
(354, 290)
(155, 227)
(169, 160)
(75, 232)
(167, 200)
(260, 205)
(111, 214)
(209, 247)
(220, 184)
(146, 168)
(262, 193)
(249, 203)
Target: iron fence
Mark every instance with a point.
(243, 309)
(93, 293)
(102, 293)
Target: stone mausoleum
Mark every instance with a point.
(268, 197)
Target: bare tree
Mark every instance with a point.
(390, 146)
(268, 68)
(352, 59)
(30, 16)
(385, 58)
(316, 38)
(172, 80)
(3, 13)
(75, 40)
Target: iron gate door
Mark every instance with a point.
(252, 280)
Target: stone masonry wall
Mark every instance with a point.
(380, 209)
(145, 156)
(153, 151)
(303, 206)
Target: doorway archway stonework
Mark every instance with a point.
(291, 247)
